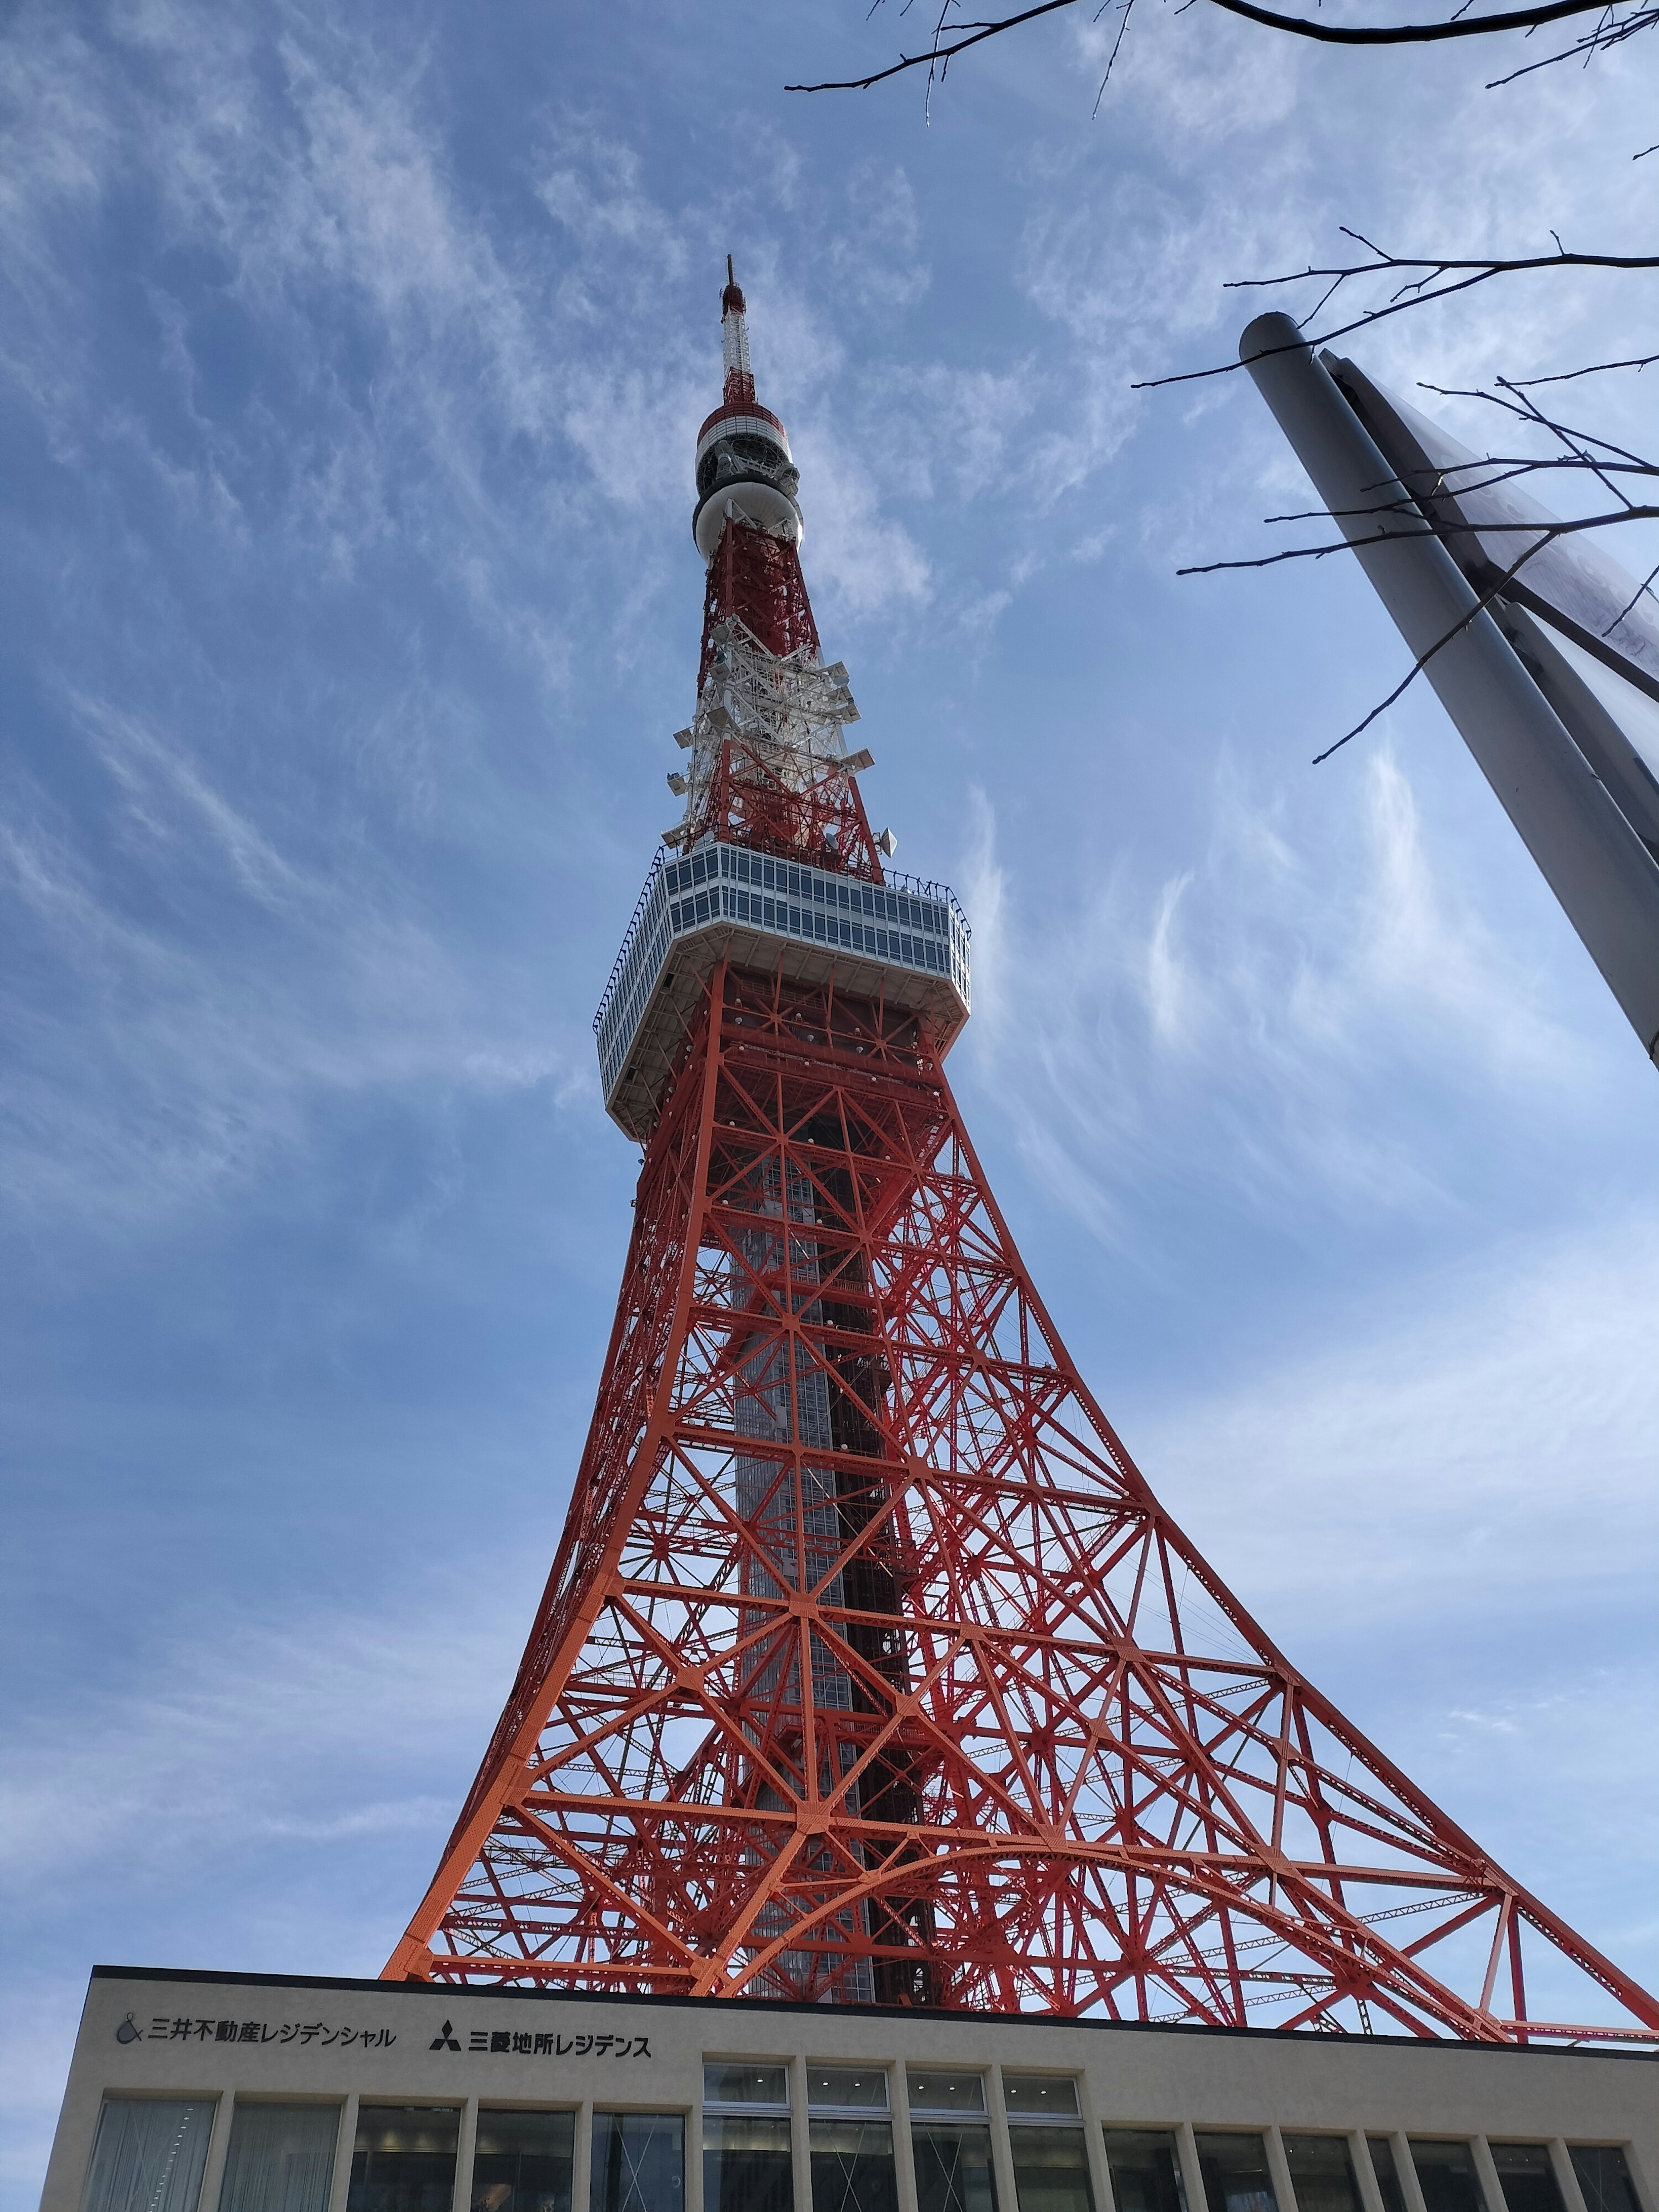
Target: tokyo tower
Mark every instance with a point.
(870, 1669)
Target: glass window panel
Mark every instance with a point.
(840, 2087)
(945, 2091)
(1527, 2177)
(1387, 2174)
(1027, 2094)
(745, 2083)
(281, 2158)
(404, 2159)
(1604, 2176)
(853, 2165)
(1322, 2170)
(747, 2166)
(953, 2167)
(638, 2162)
(523, 2162)
(148, 2155)
(1051, 2170)
(1235, 2176)
(1145, 2170)
(1446, 2174)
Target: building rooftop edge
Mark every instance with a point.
(457, 1990)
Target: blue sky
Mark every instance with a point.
(349, 365)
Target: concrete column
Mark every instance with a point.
(904, 2156)
(1365, 2173)
(213, 2169)
(1279, 2168)
(1491, 2187)
(1192, 2173)
(466, 2144)
(1100, 2174)
(339, 2188)
(581, 2172)
(1643, 2179)
(1002, 2152)
(1405, 2167)
(1606, 879)
(799, 2138)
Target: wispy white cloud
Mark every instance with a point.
(1462, 1452)
(210, 1053)
(243, 1732)
(1268, 998)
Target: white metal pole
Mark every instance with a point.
(1606, 879)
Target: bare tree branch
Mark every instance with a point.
(1611, 33)
(938, 57)
(1543, 535)
(941, 58)
(1544, 532)
(1419, 292)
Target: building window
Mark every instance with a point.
(851, 2139)
(1145, 2170)
(1235, 2176)
(281, 2158)
(747, 2162)
(950, 2148)
(523, 2162)
(1322, 2173)
(1051, 2162)
(638, 2162)
(404, 2159)
(1527, 2177)
(1387, 2174)
(1604, 2177)
(1445, 2172)
(148, 2155)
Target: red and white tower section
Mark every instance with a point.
(773, 864)
(870, 1668)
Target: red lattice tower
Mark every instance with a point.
(869, 1667)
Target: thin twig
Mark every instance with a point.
(1129, 7)
(1595, 368)
(1480, 272)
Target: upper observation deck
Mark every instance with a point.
(903, 941)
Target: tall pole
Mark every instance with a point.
(1603, 875)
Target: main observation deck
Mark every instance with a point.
(903, 941)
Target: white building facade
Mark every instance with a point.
(211, 2093)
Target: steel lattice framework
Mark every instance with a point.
(870, 1668)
